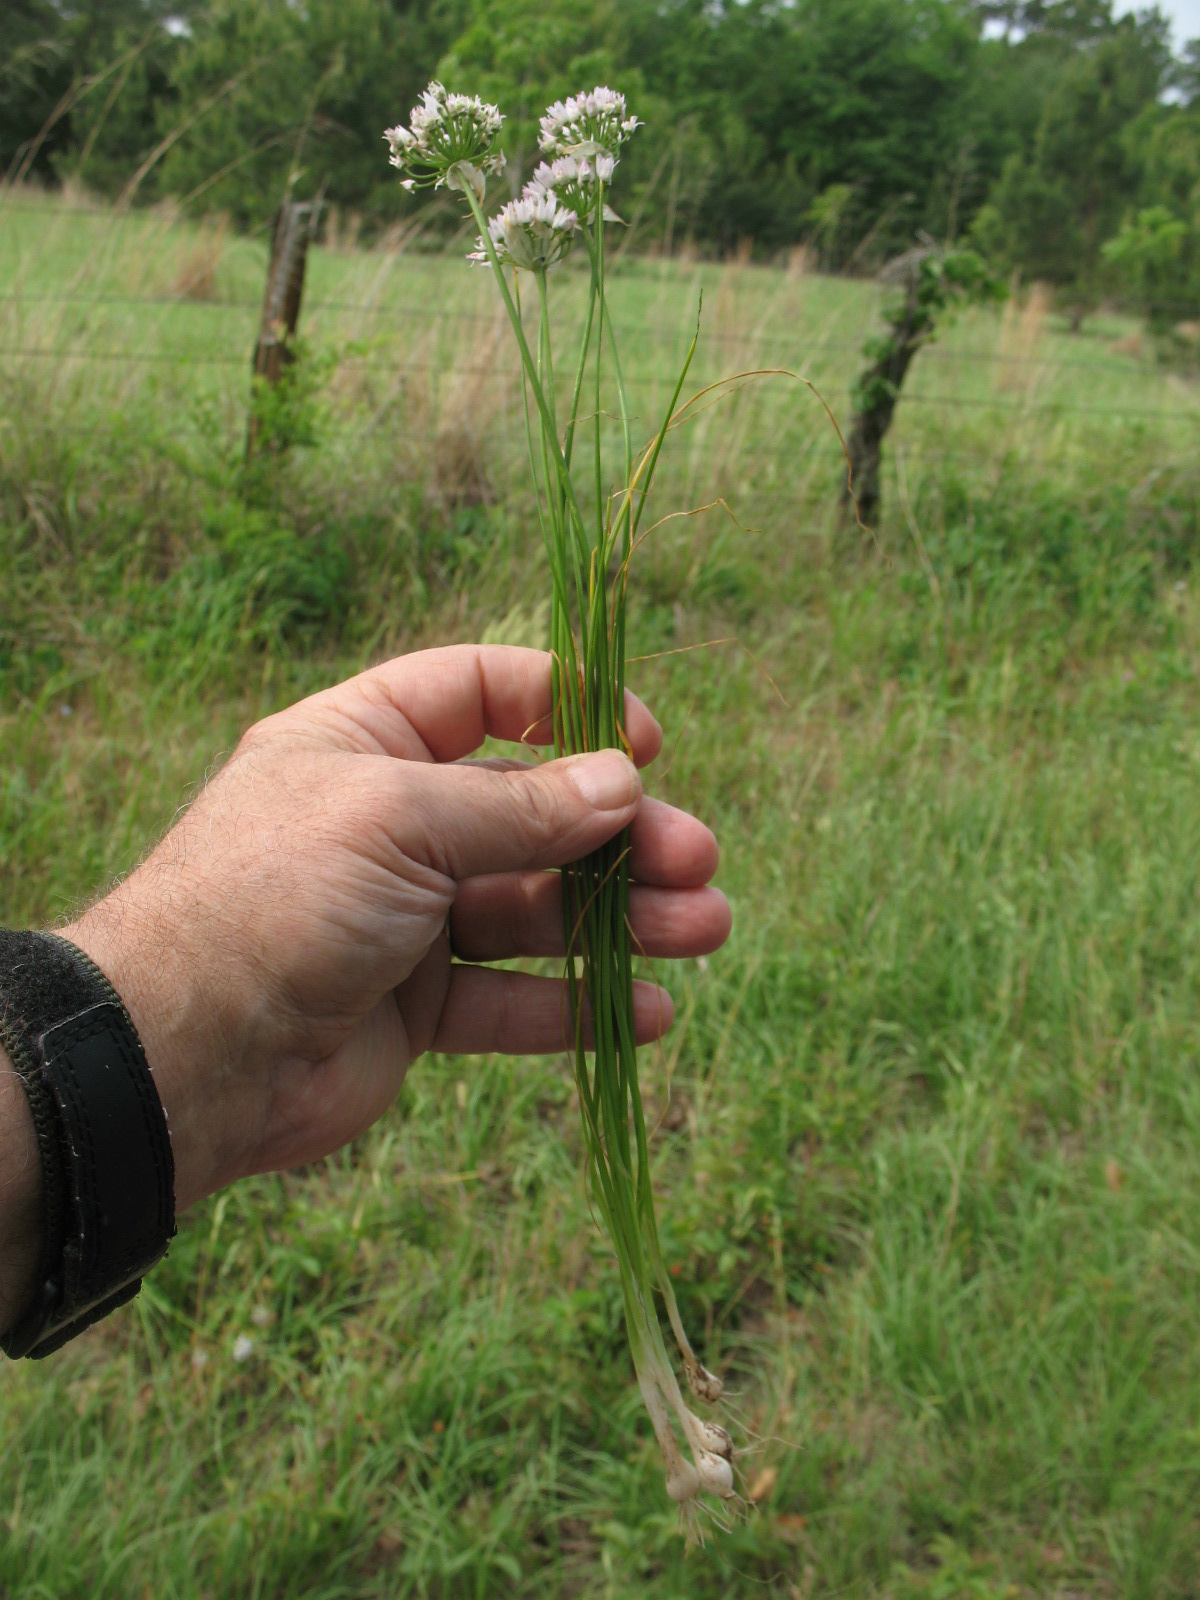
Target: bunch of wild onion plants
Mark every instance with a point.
(590, 536)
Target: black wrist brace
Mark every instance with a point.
(108, 1176)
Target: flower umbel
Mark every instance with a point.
(531, 233)
(592, 124)
(576, 180)
(450, 141)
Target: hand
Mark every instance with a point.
(284, 951)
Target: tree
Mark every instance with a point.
(1164, 145)
(795, 99)
(1153, 259)
(1075, 21)
(1032, 224)
(33, 77)
(1051, 211)
(524, 54)
(272, 97)
(850, 123)
(1186, 73)
(66, 66)
(930, 285)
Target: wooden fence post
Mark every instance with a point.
(909, 326)
(294, 227)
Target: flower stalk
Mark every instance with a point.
(590, 536)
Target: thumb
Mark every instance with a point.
(472, 820)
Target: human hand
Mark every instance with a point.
(284, 952)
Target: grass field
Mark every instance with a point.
(930, 1166)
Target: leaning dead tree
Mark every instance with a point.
(927, 284)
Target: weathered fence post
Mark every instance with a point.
(294, 227)
(932, 284)
(878, 389)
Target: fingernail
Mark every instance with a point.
(606, 780)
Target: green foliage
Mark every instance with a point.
(793, 100)
(1031, 224)
(828, 214)
(287, 415)
(291, 100)
(257, 575)
(1165, 143)
(1154, 258)
(1097, 562)
(255, 581)
(523, 54)
(851, 124)
(1186, 74)
(86, 77)
(1055, 205)
(33, 74)
(114, 125)
(937, 283)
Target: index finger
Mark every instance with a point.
(440, 705)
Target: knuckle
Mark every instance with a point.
(251, 740)
(528, 908)
(258, 736)
(537, 807)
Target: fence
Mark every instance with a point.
(1038, 390)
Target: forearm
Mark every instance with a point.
(20, 1198)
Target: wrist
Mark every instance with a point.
(185, 1034)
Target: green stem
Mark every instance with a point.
(588, 685)
(561, 469)
(581, 364)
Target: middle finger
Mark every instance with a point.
(507, 915)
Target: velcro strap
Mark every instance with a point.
(119, 1170)
(108, 1175)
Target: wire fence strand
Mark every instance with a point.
(1056, 409)
(638, 330)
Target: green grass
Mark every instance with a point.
(930, 1172)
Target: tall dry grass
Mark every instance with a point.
(200, 260)
(1022, 330)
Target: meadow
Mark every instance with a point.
(928, 1148)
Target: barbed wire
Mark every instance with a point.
(423, 314)
(1054, 409)
(49, 209)
(1181, 309)
(179, 357)
(918, 456)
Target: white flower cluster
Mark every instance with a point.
(574, 179)
(594, 124)
(450, 141)
(531, 233)
(583, 137)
